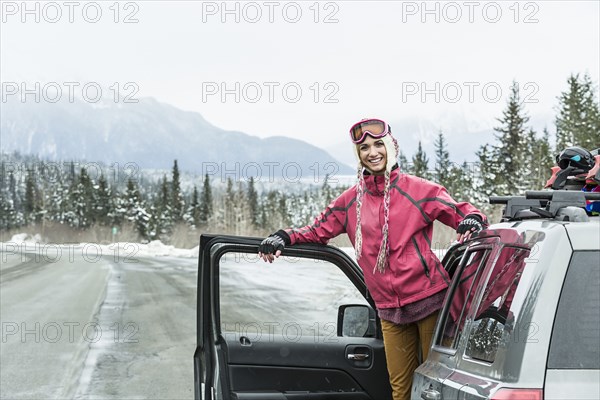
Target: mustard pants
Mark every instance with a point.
(402, 344)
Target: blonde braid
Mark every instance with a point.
(384, 249)
(359, 197)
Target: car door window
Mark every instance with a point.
(460, 299)
(494, 308)
(576, 332)
(290, 299)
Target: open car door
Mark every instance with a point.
(301, 328)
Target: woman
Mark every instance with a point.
(388, 217)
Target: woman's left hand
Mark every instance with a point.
(472, 223)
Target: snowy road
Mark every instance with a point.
(80, 324)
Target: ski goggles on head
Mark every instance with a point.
(374, 127)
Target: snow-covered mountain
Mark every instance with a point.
(151, 135)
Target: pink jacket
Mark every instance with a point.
(414, 271)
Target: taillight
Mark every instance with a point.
(518, 394)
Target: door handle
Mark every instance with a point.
(358, 357)
(431, 394)
(244, 341)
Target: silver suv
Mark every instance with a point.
(521, 319)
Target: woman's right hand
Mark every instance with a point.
(271, 247)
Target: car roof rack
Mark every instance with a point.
(564, 205)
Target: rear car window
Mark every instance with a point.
(495, 309)
(576, 334)
(466, 280)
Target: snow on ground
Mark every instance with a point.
(26, 242)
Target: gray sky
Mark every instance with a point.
(349, 59)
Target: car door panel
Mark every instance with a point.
(302, 366)
(266, 367)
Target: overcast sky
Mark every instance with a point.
(308, 69)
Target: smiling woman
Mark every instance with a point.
(388, 216)
(369, 137)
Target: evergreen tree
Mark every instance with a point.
(504, 166)
(578, 119)
(29, 206)
(488, 174)
(142, 219)
(326, 191)
(512, 136)
(206, 201)
(164, 212)
(79, 214)
(193, 212)
(58, 202)
(103, 207)
(538, 161)
(241, 211)
(545, 159)
(72, 176)
(135, 210)
(131, 199)
(14, 195)
(463, 181)
(443, 167)
(272, 217)
(177, 201)
(153, 231)
(7, 211)
(263, 216)
(8, 195)
(252, 197)
(118, 214)
(403, 163)
(229, 206)
(420, 163)
(455, 181)
(284, 210)
(32, 205)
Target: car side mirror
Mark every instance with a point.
(356, 320)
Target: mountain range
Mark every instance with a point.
(152, 134)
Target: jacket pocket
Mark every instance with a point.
(423, 262)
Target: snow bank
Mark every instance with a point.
(155, 248)
(26, 242)
(26, 238)
(158, 249)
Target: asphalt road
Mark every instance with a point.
(79, 324)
